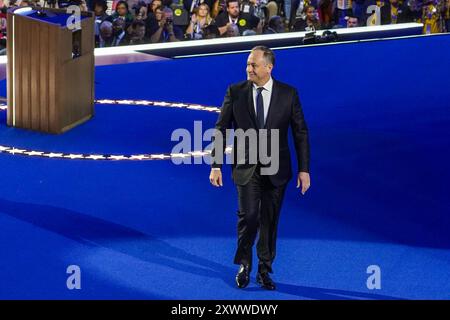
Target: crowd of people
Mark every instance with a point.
(129, 22)
(171, 20)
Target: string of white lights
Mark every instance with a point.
(119, 157)
(149, 103)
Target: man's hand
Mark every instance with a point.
(223, 29)
(304, 181)
(260, 26)
(215, 177)
(162, 22)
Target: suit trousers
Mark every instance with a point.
(259, 209)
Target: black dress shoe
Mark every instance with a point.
(243, 276)
(265, 281)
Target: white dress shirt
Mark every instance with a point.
(232, 21)
(266, 94)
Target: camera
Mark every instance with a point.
(168, 22)
(326, 37)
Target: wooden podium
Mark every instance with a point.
(50, 76)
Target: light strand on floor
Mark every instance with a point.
(118, 157)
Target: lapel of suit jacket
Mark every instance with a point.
(273, 97)
(250, 103)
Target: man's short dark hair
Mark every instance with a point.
(124, 3)
(351, 16)
(267, 54)
(137, 23)
(230, 1)
(273, 21)
(101, 3)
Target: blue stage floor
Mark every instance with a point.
(379, 119)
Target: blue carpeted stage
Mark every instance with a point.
(379, 120)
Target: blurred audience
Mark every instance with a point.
(155, 21)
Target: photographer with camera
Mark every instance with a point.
(167, 31)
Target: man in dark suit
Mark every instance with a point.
(233, 15)
(260, 104)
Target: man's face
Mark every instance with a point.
(106, 32)
(233, 9)
(310, 14)
(279, 26)
(394, 2)
(121, 9)
(98, 10)
(352, 22)
(138, 33)
(232, 30)
(258, 70)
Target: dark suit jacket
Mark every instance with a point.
(404, 14)
(285, 111)
(251, 21)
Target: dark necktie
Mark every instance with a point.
(260, 108)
